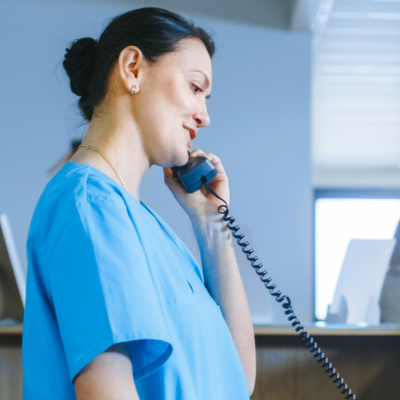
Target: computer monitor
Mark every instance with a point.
(12, 277)
(358, 289)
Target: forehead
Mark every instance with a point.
(191, 56)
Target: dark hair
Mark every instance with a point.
(154, 31)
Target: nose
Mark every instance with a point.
(201, 117)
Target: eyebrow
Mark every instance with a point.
(206, 79)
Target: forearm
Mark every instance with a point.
(223, 281)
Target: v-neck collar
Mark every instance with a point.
(175, 239)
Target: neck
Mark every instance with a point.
(119, 139)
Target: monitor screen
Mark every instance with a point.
(12, 277)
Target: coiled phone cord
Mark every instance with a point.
(285, 300)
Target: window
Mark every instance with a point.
(341, 215)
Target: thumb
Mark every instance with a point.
(170, 181)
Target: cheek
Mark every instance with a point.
(179, 98)
(166, 106)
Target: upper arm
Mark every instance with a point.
(102, 289)
(107, 376)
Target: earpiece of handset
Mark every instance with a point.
(190, 175)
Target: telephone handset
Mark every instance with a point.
(193, 174)
(198, 173)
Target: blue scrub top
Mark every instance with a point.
(104, 268)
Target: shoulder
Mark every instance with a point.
(79, 184)
(75, 194)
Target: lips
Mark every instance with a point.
(192, 132)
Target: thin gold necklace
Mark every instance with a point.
(106, 158)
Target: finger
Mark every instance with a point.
(168, 174)
(216, 161)
(169, 177)
(197, 152)
(170, 180)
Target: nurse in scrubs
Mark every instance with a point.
(117, 307)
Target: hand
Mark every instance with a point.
(200, 204)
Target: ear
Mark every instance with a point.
(130, 65)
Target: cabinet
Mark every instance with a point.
(11, 362)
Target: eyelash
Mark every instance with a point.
(196, 88)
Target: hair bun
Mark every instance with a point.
(78, 62)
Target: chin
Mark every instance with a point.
(181, 159)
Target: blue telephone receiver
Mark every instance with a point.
(195, 174)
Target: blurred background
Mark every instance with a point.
(304, 115)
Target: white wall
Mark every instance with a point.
(260, 128)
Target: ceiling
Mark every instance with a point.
(274, 14)
(356, 85)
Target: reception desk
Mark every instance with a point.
(11, 362)
(367, 357)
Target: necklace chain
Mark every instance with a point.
(106, 158)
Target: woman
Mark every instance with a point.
(117, 307)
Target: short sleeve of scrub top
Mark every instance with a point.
(101, 287)
(103, 269)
